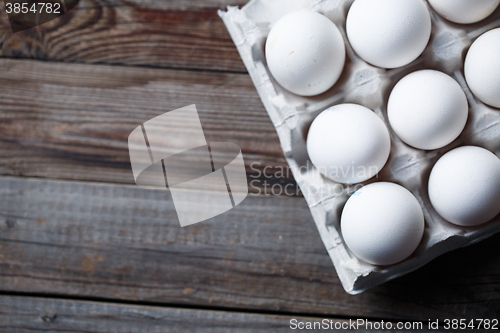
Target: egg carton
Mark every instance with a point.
(369, 86)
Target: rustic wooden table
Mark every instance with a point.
(83, 249)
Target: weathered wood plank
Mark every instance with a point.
(179, 34)
(72, 121)
(29, 314)
(123, 242)
(32, 314)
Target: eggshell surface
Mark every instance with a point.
(464, 11)
(348, 143)
(382, 223)
(427, 109)
(305, 53)
(464, 186)
(388, 33)
(482, 68)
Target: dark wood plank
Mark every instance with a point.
(29, 314)
(123, 242)
(72, 121)
(178, 34)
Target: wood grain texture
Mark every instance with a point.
(29, 314)
(122, 242)
(116, 241)
(174, 34)
(19, 314)
(40, 315)
(72, 121)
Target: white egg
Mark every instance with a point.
(427, 109)
(388, 33)
(464, 11)
(482, 68)
(305, 53)
(348, 143)
(464, 186)
(382, 223)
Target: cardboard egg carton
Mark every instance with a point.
(369, 86)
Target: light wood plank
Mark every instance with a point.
(123, 242)
(175, 34)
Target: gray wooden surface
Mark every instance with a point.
(41, 315)
(119, 241)
(72, 121)
(78, 239)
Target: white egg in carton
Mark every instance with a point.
(370, 86)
